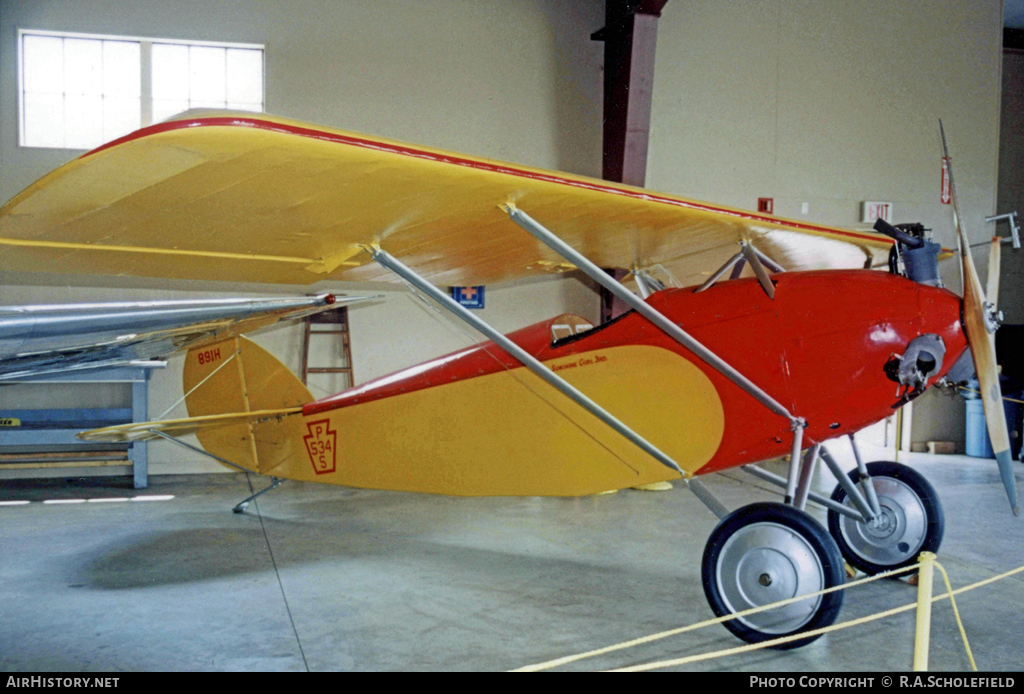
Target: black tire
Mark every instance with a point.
(913, 521)
(764, 553)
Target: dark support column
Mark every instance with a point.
(612, 306)
(630, 35)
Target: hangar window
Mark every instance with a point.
(78, 90)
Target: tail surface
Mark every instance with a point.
(239, 376)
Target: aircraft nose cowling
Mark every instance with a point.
(942, 314)
(933, 340)
(850, 336)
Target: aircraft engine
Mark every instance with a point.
(922, 359)
(918, 253)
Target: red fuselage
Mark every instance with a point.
(819, 348)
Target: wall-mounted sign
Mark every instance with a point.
(468, 297)
(870, 212)
(946, 193)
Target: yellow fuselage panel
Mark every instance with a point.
(509, 433)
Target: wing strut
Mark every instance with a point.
(758, 268)
(734, 263)
(758, 262)
(646, 284)
(388, 261)
(650, 313)
(748, 253)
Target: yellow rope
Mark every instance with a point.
(773, 642)
(956, 613)
(814, 632)
(766, 644)
(709, 622)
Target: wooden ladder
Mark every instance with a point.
(332, 322)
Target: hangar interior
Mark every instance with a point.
(820, 107)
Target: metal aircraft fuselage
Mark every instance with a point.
(476, 422)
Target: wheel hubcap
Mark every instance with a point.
(765, 563)
(897, 534)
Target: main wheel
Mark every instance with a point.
(764, 553)
(911, 521)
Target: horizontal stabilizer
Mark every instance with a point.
(146, 431)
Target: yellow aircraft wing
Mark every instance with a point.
(252, 197)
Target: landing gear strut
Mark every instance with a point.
(275, 482)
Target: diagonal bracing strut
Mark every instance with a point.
(650, 313)
(388, 261)
(240, 507)
(747, 253)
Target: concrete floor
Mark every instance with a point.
(323, 578)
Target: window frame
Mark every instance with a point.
(145, 71)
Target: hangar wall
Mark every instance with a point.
(831, 104)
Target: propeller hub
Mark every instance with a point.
(993, 317)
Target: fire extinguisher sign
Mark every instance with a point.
(945, 195)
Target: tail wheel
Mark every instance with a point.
(911, 520)
(764, 553)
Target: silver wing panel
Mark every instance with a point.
(43, 339)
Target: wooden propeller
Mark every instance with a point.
(992, 285)
(982, 345)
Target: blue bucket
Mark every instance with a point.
(977, 443)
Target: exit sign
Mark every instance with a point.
(873, 211)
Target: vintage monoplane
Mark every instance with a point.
(690, 381)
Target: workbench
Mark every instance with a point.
(45, 438)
